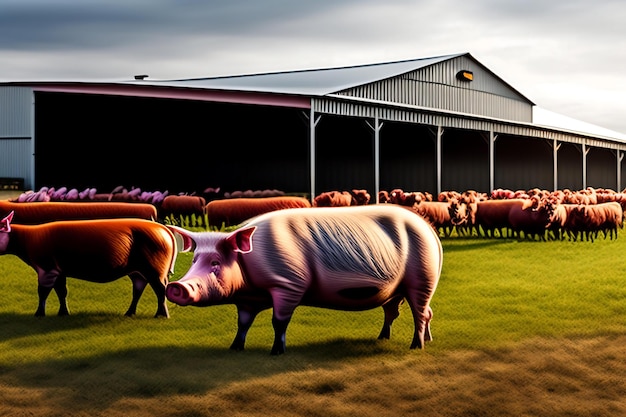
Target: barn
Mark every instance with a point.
(428, 124)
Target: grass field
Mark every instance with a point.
(520, 329)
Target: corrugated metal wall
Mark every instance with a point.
(437, 87)
(388, 111)
(16, 133)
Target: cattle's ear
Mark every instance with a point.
(5, 224)
(527, 203)
(184, 240)
(241, 239)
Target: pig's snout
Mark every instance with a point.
(183, 293)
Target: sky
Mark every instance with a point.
(567, 56)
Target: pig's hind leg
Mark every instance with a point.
(418, 293)
(392, 311)
(422, 316)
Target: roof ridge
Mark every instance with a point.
(372, 64)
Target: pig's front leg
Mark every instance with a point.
(280, 334)
(245, 317)
(284, 304)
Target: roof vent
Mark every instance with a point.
(141, 76)
(465, 75)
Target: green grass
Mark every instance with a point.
(493, 294)
(496, 291)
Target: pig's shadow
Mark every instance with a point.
(167, 370)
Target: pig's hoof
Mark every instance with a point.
(237, 346)
(277, 351)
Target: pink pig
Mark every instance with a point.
(344, 258)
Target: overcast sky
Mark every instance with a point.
(568, 56)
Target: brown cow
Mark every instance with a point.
(532, 218)
(100, 251)
(603, 217)
(333, 199)
(490, 216)
(182, 205)
(437, 213)
(44, 212)
(230, 212)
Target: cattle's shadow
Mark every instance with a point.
(17, 325)
(473, 243)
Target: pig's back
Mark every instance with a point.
(342, 247)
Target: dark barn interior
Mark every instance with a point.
(163, 144)
(185, 146)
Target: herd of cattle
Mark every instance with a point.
(533, 214)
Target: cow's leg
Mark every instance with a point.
(43, 293)
(60, 287)
(139, 284)
(392, 311)
(46, 282)
(158, 281)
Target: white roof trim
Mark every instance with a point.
(550, 119)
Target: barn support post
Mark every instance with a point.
(33, 139)
(492, 141)
(376, 128)
(585, 151)
(439, 136)
(312, 124)
(619, 157)
(555, 164)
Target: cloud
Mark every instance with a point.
(566, 56)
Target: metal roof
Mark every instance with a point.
(321, 82)
(313, 82)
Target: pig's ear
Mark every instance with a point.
(5, 224)
(241, 239)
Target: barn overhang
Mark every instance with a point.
(359, 107)
(222, 96)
